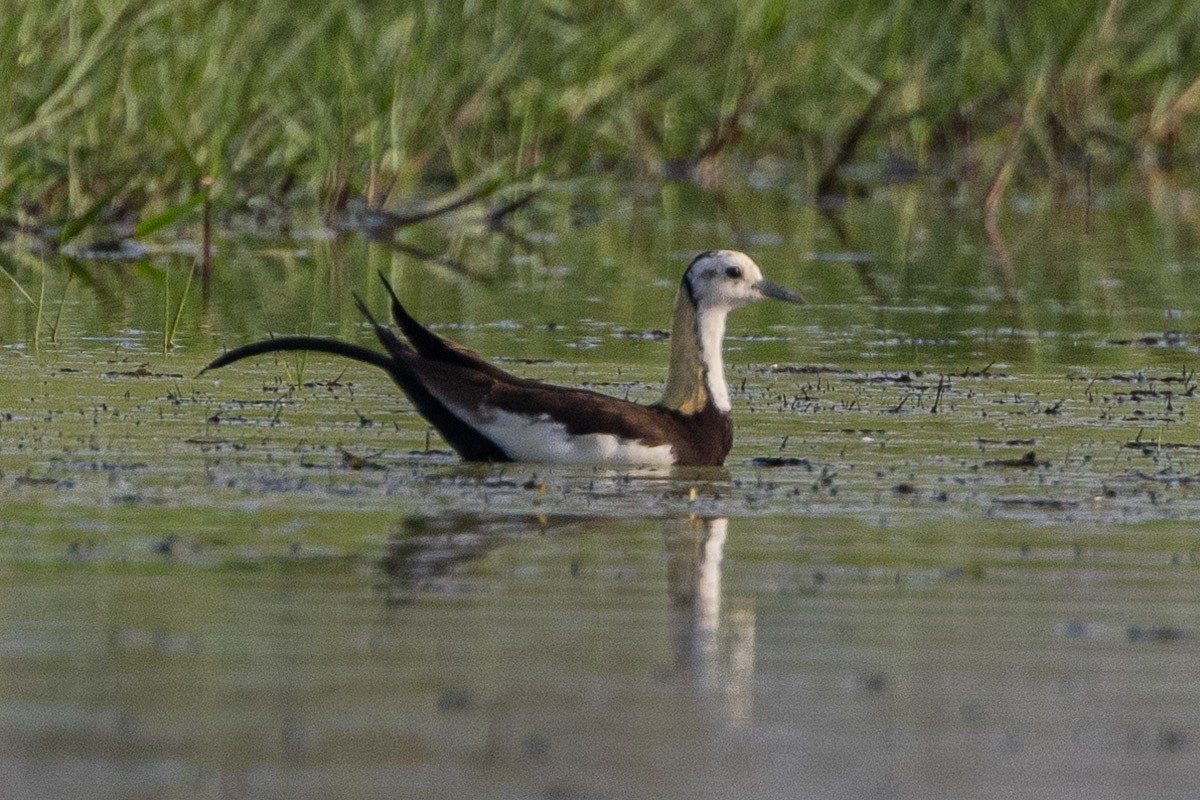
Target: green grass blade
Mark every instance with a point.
(179, 310)
(167, 218)
(81, 223)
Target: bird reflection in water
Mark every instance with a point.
(712, 636)
(713, 646)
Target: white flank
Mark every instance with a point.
(541, 439)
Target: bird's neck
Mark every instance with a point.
(697, 373)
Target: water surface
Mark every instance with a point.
(951, 555)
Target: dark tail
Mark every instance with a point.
(311, 343)
(399, 363)
(427, 343)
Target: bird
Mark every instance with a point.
(489, 415)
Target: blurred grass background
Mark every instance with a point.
(133, 103)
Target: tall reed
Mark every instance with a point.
(144, 100)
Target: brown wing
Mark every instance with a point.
(698, 439)
(449, 384)
(458, 376)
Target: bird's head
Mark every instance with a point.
(727, 279)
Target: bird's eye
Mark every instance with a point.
(733, 272)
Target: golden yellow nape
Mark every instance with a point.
(687, 385)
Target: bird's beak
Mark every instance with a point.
(768, 289)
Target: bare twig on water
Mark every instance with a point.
(497, 220)
(862, 266)
(728, 128)
(497, 217)
(395, 220)
(422, 254)
(828, 183)
(937, 398)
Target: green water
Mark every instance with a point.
(203, 597)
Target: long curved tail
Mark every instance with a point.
(309, 343)
(401, 362)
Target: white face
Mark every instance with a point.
(725, 279)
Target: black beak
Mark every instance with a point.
(769, 289)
